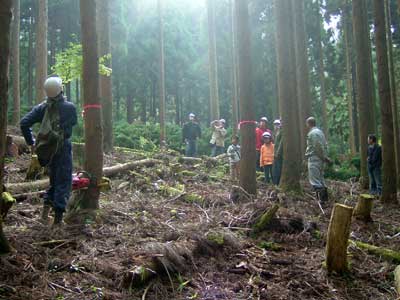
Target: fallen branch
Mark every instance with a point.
(387, 254)
(24, 187)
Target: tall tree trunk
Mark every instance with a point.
(129, 109)
(247, 129)
(389, 182)
(355, 105)
(178, 104)
(302, 72)
(5, 22)
(393, 90)
(161, 74)
(105, 81)
(364, 89)
(31, 57)
(212, 63)
(92, 103)
(286, 64)
(77, 94)
(16, 62)
(234, 73)
(321, 71)
(347, 31)
(41, 50)
(371, 77)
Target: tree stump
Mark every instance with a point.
(6, 201)
(363, 208)
(337, 240)
(397, 279)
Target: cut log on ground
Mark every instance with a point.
(387, 254)
(397, 279)
(114, 170)
(337, 240)
(363, 208)
(25, 187)
(190, 160)
(176, 257)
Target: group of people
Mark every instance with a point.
(57, 116)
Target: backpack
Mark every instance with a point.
(50, 138)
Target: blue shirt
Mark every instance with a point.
(68, 119)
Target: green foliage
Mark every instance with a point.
(69, 63)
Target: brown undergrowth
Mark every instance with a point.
(92, 261)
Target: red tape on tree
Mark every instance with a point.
(89, 106)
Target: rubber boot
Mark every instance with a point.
(324, 195)
(58, 218)
(45, 214)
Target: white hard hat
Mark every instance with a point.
(265, 119)
(53, 86)
(191, 115)
(222, 121)
(277, 122)
(266, 135)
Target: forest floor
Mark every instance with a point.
(96, 261)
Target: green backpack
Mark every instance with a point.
(50, 138)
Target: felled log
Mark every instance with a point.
(114, 170)
(387, 254)
(190, 160)
(265, 219)
(171, 258)
(24, 187)
(397, 279)
(363, 208)
(6, 202)
(337, 239)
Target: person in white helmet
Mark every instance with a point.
(57, 116)
(217, 141)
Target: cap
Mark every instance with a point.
(191, 115)
(266, 134)
(277, 122)
(265, 119)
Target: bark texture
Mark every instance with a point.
(162, 74)
(41, 50)
(302, 71)
(213, 69)
(337, 240)
(364, 89)
(286, 62)
(93, 119)
(16, 62)
(105, 81)
(5, 22)
(247, 129)
(389, 180)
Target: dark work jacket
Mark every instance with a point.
(68, 119)
(374, 156)
(191, 131)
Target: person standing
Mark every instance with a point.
(317, 155)
(57, 117)
(374, 160)
(278, 153)
(260, 130)
(217, 141)
(190, 133)
(234, 158)
(267, 156)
